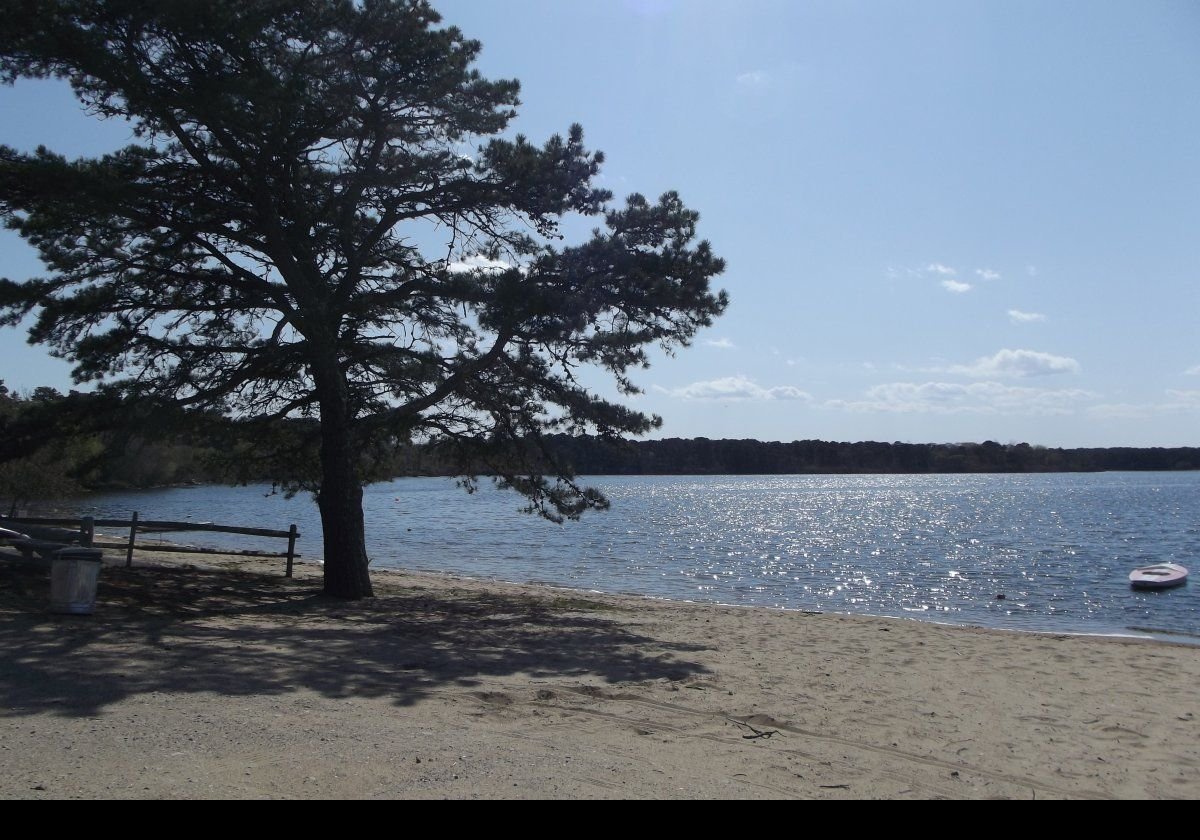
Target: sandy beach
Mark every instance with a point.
(218, 678)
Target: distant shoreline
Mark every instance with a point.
(702, 456)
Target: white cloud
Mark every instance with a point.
(972, 398)
(938, 268)
(754, 79)
(1018, 363)
(894, 273)
(478, 262)
(1192, 371)
(1031, 270)
(956, 286)
(1019, 317)
(723, 343)
(1178, 402)
(733, 388)
(1121, 411)
(1183, 399)
(988, 274)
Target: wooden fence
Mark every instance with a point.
(87, 528)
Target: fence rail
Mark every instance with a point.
(87, 525)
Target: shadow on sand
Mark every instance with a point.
(237, 634)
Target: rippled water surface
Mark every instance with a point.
(1058, 548)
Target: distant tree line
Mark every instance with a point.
(55, 445)
(702, 456)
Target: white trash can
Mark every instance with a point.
(74, 574)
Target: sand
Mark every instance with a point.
(228, 681)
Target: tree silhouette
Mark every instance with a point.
(319, 219)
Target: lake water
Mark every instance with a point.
(942, 548)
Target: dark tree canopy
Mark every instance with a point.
(320, 218)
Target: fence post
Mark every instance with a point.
(291, 548)
(88, 531)
(132, 537)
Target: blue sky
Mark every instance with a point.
(944, 221)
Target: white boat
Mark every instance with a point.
(1158, 576)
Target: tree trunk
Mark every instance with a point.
(340, 503)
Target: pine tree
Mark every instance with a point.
(322, 218)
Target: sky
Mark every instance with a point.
(943, 221)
